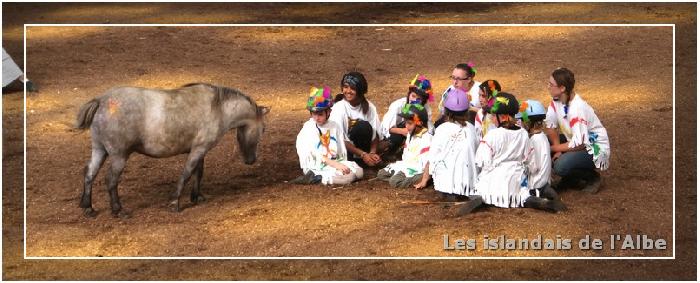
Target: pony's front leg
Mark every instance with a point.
(192, 161)
(196, 196)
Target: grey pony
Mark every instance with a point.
(163, 123)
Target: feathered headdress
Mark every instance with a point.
(422, 83)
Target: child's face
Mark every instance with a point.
(520, 123)
(414, 98)
(483, 100)
(320, 117)
(349, 94)
(410, 126)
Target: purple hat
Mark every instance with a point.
(456, 100)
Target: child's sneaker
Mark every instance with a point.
(470, 205)
(307, 179)
(551, 205)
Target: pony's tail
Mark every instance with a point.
(86, 113)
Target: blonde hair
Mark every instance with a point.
(535, 127)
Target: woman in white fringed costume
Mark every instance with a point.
(579, 141)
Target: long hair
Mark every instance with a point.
(509, 123)
(358, 83)
(457, 117)
(565, 77)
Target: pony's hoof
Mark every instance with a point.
(175, 206)
(198, 198)
(89, 212)
(121, 214)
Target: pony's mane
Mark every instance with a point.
(222, 94)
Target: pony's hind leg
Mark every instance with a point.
(196, 195)
(190, 165)
(98, 157)
(116, 167)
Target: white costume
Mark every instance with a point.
(501, 156)
(483, 124)
(342, 113)
(473, 97)
(314, 142)
(415, 155)
(391, 118)
(539, 162)
(581, 125)
(451, 158)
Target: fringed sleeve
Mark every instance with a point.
(578, 123)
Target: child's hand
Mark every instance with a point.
(374, 159)
(345, 169)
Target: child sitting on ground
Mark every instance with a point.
(501, 155)
(482, 121)
(358, 119)
(410, 169)
(539, 161)
(452, 151)
(419, 92)
(321, 146)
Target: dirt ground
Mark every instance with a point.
(625, 73)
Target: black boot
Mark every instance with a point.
(548, 193)
(551, 205)
(566, 182)
(576, 179)
(592, 179)
(470, 205)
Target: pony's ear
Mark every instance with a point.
(263, 110)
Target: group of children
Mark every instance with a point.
(488, 149)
